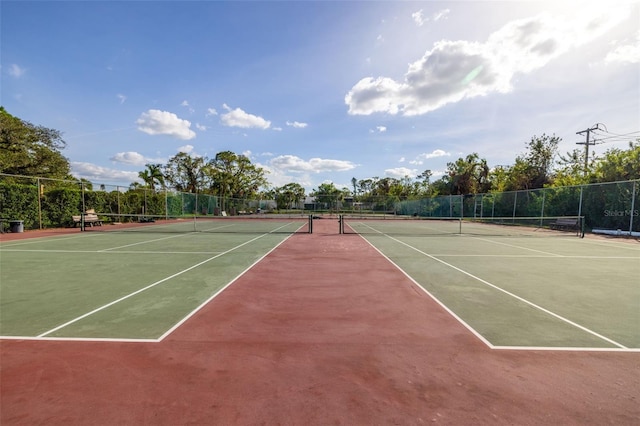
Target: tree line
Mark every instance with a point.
(32, 150)
(539, 166)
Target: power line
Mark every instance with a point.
(608, 137)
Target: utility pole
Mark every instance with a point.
(586, 144)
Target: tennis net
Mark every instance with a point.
(434, 226)
(257, 223)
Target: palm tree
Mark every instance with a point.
(152, 175)
(146, 178)
(155, 173)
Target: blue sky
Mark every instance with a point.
(319, 91)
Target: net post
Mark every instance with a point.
(341, 224)
(82, 223)
(310, 224)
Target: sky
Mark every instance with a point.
(320, 91)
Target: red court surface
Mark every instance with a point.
(323, 331)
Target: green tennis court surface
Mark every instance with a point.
(510, 290)
(525, 291)
(130, 285)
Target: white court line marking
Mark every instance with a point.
(143, 242)
(47, 239)
(528, 256)
(552, 348)
(53, 330)
(553, 314)
(518, 247)
(79, 339)
(613, 244)
(108, 252)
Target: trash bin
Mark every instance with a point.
(16, 225)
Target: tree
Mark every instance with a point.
(152, 175)
(186, 173)
(328, 195)
(365, 186)
(571, 170)
(426, 178)
(618, 164)
(469, 175)
(29, 150)
(499, 178)
(145, 176)
(288, 195)
(534, 169)
(233, 175)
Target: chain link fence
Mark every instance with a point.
(47, 203)
(611, 206)
(42, 203)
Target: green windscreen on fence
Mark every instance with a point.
(41, 203)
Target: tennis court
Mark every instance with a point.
(128, 281)
(359, 322)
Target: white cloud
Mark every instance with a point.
(185, 104)
(239, 118)
(156, 122)
(211, 111)
(187, 149)
(278, 177)
(401, 172)
(130, 157)
(626, 53)
(121, 97)
(418, 18)
(201, 127)
(296, 124)
(426, 156)
(378, 129)
(276, 129)
(291, 163)
(441, 14)
(16, 71)
(98, 174)
(134, 158)
(455, 70)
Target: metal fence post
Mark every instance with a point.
(580, 203)
(40, 193)
(633, 204)
(544, 193)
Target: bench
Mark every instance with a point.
(90, 218)
(565, 224)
